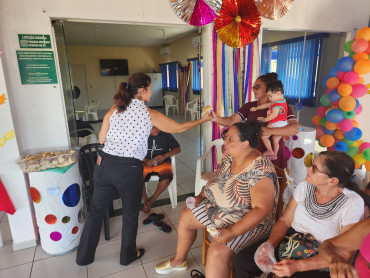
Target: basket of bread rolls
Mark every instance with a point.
(46, 160)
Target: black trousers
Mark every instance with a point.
(126, 176)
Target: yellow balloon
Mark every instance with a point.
(359, 159)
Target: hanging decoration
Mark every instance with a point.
(197, 12)
(273, 9)
(234, 70)
(5, 202)
(238, 23)
(336, 126)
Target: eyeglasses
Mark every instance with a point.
(315, 169)
(258, 86)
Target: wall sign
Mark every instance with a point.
(37, 67)
(34, 41)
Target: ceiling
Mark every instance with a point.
(107, 34)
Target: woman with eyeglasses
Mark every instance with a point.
(124, 133)
(325, 205)
(244, 113)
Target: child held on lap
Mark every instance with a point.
(276, 116)
(161, 146)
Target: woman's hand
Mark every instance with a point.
(253, 109)
(208, 116)
(286, 267)
(213, 116)
(225, 235)
(339, 267)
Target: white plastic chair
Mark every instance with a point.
(171, 101)
(91, 110)
(199, 182)
(192, 107)
(172, 188)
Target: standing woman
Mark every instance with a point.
(244, 113)
(124, 133)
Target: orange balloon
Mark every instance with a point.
(363, 33)
(330, 125)
(360, 56)
(339, 134)
(367, 165)
(355, 124)
(316, 120)
(357, 165)
(332, 82)
(358, 158)
(327, 140)
(345, 89)
(362, 67)
(347, 103)
(361, 80)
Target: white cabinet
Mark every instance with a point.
(157, 96)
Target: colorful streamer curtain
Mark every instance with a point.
(235, 70)
(184, 78)
(289, 69)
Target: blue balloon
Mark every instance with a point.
(324, 81)
(341, 146)
(334, 96)
(328, 131)
(354, 134)
(357, 103)
(345, 64)
(333, 71)
(335, 115)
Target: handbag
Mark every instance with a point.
(298, 246)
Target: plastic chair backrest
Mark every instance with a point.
(170, 100)
(86, 161)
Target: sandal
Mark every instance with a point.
(162, 226)
(153, 217)
(141, 253)
(196, 274)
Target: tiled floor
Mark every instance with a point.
(34, 263)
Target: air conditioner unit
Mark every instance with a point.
(165, 51)
(195, 41)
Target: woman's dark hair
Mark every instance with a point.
(127, 90)
(341, 166)
(268, 78)
(249, 131)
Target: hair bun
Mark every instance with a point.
(272, 75)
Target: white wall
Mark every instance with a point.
(38, 110)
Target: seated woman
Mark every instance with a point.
(324, 205)
(356, 238)
(240, 202)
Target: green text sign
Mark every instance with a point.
(34, 41)
(37, 67)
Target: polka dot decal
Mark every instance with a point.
(307, 141)
(52, 190)
(308, 160)
(66, 219)
(81, 216)
(72, 195)
(75, 230)
(295, 137)
(35, 195)
(50, 219)
(298, 153)
(56, 236)
(288, 154)
(286, 137)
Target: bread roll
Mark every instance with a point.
(207, 109)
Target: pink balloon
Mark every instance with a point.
(331, 148)
(319, 132)
(363, 146)
(358, 90)
(345, 125)
(321, 111)
(335, 103)
(340, 75)
(358, 110)
(351, 77)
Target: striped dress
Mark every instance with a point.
(228, 200)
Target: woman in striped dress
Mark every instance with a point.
(240, 202)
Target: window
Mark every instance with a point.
(170, 79)
(285, 58)
(197, 75)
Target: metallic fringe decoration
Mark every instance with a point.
(273, 9)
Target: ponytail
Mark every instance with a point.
(128, 90)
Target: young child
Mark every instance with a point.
(276, 116)
(161, 146)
